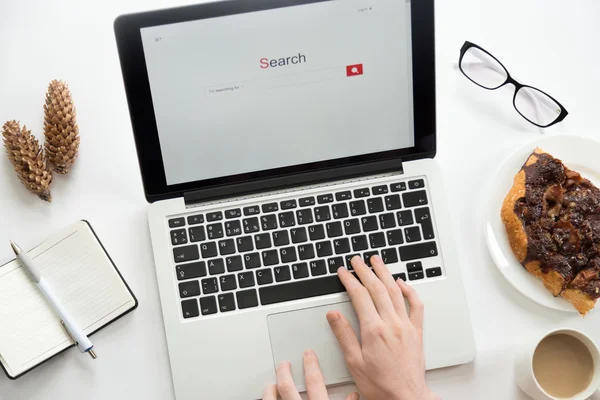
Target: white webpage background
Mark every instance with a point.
(285, 115)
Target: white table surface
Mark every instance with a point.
(551, 44)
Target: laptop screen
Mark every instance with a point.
(281, 87)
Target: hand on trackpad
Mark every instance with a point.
(293, 332)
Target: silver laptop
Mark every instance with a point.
(277, 139)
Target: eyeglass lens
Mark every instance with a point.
(483, 69)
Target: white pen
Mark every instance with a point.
(82, 341)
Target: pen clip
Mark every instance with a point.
(68, 331)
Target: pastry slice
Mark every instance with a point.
(552, 219)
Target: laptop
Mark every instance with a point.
(276, 140)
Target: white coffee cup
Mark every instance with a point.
(524, 367)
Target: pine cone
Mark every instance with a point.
(27, 156)
(60, 127)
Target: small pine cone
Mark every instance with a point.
(27, 156)
(60, 127)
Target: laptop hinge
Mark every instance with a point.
(281, 182)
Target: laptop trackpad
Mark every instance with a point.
(295, 331)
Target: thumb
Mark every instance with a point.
(353, 396)
(345, 336)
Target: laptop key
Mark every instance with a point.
(246, 279)
(306, 251)
(324, 249)
(288, 254)
(247, 299)
(264, 276)
(306, 201)
(393, 202)
(423, 217)
(268, 222)
(419, 250)
(349, 258)
(226, 302)
(235, 213)
(233, 228)
(340, 210)
(377, 239)
(208, 305)
(282, 273)
(401, 275)
(359, 243)
(316, 232)
(375, 205)
(227, 283)
(416, 184)
(299, 235)
(325, 198)
(270, 257)
(367, 257)
(234, 263)
(189, 271)
(190, 308)
(322, 214)
(215, 231)
(335, 263)
(341, 246)
(208, 249)
(209, 285)
(300, 290)
(186, 253)
(251, 225)
(189, 289)
(300, 270)
(341, 196)
(244, 244)
(352, 226)
(382, 189)
(176, 222)
(178, 236)
(288, 204)
(251, 210)
(216, 266)
(226, 246)
(214, 216)
(433, 272)
(270, 207)
(334, 229)
(287, 219)
(364, 192)
(389, 256)
(304, 216)
(281, 238)
(395, 237)
(317, 267)
(405, 218)
(262, 241)
(252, 260)
(413, 276)
(387, 221)
(413, 234)
(414, 267)
(195, 219)
(197, 234)
(398, 187)
(369, 223)
(357, 208)
(414, 199)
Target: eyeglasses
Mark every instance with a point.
(485, 70)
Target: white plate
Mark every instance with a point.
(578, 153)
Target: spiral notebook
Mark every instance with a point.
(84, 278)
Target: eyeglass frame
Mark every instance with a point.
(510, 80)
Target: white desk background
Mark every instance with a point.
(551, 44)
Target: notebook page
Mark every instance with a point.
(83, 278)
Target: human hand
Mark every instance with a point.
(388, 362)
(313, 378)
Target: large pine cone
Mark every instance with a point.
(27, 156)
(60, 127)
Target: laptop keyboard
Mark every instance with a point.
(273, 252)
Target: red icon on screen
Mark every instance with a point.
(354, 70)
